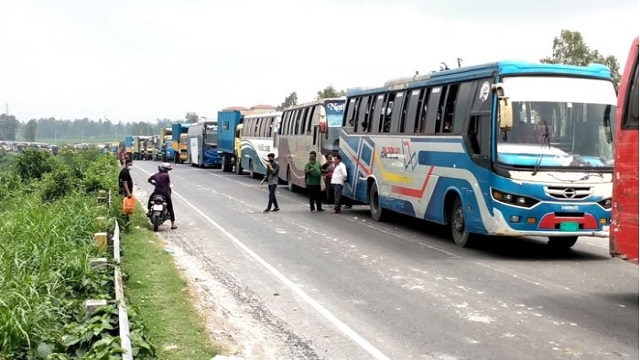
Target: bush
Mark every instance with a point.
(48, 209)
(33, 164)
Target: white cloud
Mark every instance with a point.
(136, 61)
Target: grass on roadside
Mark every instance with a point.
(157, 290)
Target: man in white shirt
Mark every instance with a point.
(337, 180)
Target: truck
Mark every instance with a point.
(228, 121)
(179, 141)
(128, 144)
(166, 146)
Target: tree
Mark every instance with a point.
(330, 92)
(290, 100)
(571, 49)
(192, 117)
(29, 130)
(9, 127)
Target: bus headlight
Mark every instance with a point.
(606, 203)
(513, 199)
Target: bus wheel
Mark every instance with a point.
(290, 185)
(377, 212)
(562, 242)
(457, 222)
(238, 167)
(254, 174)
(225, 163)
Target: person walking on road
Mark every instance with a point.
(338, 179)
(313, 176)
(271, 177)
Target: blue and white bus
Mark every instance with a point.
(507, 148)
(203, 144)
(258, 137)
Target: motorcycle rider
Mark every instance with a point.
(162, 184)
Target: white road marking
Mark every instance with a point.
(359, 340)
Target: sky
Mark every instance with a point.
(142, 60)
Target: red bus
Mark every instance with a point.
(623, 242)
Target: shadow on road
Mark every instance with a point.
(492, 247)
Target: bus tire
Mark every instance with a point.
(253, 173)
(562, 242)
(238, 167)
(290, 185)
(226, 163)
(377, 212)
(459, 233)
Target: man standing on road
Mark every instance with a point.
(125, 182)
(272, 181)
(312, 180)
(337, 180)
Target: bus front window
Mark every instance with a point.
(334, 110)
(559, 123)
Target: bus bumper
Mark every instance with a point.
(549, 225)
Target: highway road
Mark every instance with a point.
(340, 286)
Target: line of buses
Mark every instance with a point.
(506, 148)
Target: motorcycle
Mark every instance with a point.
(159, 212)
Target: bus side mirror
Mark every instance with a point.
(323, 127)
(505, 112)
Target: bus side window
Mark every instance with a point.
(386, 116)
(411, 111)
(449, 109)
(396, 113)
(447, 92)
(421, 114)
(479, 132)
(462, 107)
(375, 118)
(350, 120)
(403, 115)
(310, 119)
(433, 111)
(287, 121)
(296, 125)
(362, 112)
(303, 121)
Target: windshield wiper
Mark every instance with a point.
(546, 140)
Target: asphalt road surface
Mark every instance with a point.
(345, 287)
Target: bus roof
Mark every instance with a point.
(269, 114)
(597, 71)
(314, 102)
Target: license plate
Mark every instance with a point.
(569, 226)
(157, 207)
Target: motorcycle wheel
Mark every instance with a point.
(155, 220)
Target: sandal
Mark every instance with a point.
(174, 227)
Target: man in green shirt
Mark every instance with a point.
(313, 176)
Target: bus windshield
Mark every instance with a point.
(559, 123)
(334, 110)
(211, 133)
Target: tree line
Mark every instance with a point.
(568, 48)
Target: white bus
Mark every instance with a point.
(313, 126)
(258, 137)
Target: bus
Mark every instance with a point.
(203, 144)
(623, 242)
(507, 148)
(258, 137)
(314, 126)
